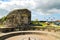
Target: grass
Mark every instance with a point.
(1, 25)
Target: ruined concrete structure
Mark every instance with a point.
(20, 18)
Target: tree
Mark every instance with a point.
(3, 19)
(36, 21)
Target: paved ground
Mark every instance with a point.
(49, 36)
(32, 37)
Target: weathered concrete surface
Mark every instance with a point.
(32, 37)
(11, 34)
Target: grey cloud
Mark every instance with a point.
(51, 4)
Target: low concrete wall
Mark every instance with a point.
(11, 34)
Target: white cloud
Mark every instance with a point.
(0, 16)
(19, 3)
(42, 6)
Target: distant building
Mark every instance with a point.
(20, 18)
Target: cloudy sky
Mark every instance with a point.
(41, 9)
